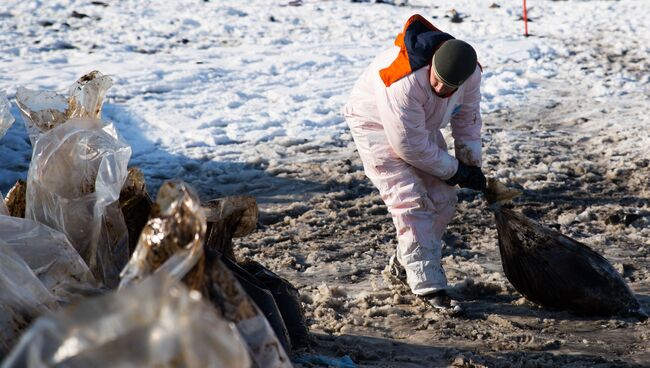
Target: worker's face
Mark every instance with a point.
(440, 89)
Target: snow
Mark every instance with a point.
(217, 91)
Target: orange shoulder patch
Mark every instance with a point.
(401, 66)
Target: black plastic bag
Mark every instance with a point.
(264, 300)
(554, 270)
(287, 299)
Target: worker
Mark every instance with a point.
(395, 112)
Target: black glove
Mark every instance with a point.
(468, 177)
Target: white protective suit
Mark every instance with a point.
(397, 133)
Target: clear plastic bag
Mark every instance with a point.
(39, 270)
(172, 239)
(172, 243)
(44, 110)
(49, 253)
(155, 323)
(73, 185)
(6, 119)
(22, 299)
(86, 95)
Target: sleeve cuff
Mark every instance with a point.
(453, 165)
(468, 152)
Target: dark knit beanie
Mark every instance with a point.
(454, 62)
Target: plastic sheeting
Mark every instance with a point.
(39, 270)
(155, 323)
(73, 185)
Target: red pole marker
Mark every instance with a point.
(525, 20)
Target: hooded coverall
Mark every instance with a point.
(397, 133)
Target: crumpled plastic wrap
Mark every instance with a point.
(6, 119)
(172, 239)
(39, 270)
(172, 243)
(44, 110)
(73, 185)
(155, 323)
(23, 297)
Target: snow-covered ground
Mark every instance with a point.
(245, 97)
(217, 91)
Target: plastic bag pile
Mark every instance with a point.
(92, 271)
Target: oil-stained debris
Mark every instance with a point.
(15, 199)
(554, 270)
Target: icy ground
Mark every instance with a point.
(244, 97)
